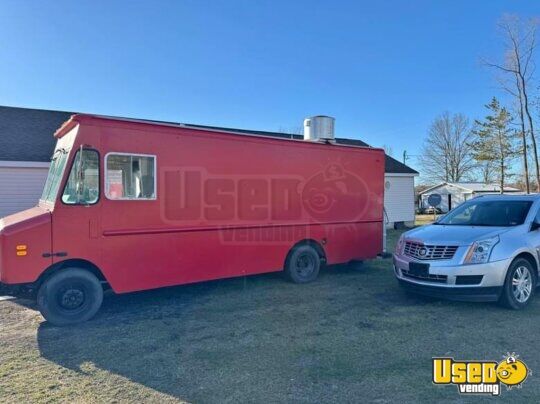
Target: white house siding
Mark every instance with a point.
(399, 198)
(21, 185)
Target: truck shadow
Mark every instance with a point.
(179, 341)
(218, 341)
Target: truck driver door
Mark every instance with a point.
(76, 213)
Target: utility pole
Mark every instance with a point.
(405, 157)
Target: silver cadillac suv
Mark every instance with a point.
(486, 249)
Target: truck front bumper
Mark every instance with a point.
(480, 282)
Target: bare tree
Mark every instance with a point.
(389, 150)
(512, 85)
(446, 153)
(520, 43)
(486, 171)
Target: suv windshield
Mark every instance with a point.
(488, 213)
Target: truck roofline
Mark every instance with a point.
(80, 118)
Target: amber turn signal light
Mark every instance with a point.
(21, 250)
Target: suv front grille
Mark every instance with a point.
(427, 278)
(429, 252)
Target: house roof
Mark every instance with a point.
(472, 187)
(27, 135)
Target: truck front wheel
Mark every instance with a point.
(70, 296)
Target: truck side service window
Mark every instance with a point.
(130, 176)
(82, 187)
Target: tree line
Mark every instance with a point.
(458, 149)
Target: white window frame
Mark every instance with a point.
(106, 176)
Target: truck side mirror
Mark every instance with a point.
(535, 225)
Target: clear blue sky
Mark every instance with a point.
(384, 69)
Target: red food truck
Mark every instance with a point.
(138, 205)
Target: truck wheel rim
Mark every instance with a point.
(71, 298)
(522, 284)
(305, 265)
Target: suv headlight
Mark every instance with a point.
(480, 251)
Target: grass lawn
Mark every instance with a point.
(350, 336)
(423, 219)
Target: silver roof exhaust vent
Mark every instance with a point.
(319, 128)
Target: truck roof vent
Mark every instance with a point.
(319, 128)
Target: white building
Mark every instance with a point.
(26, 145)
(454, 193)
(399, 197)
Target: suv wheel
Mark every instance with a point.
(520, 284)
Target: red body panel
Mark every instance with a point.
(32, 228)
(227, 205)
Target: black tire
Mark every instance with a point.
(511, 296)
(303, 264)
(70, 296)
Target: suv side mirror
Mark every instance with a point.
(535, 225)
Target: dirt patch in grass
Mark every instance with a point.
(351, 336)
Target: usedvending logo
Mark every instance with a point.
(480, 377)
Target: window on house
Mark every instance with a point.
(130, 176)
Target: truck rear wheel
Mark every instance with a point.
(70, 296)
(303, 264)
